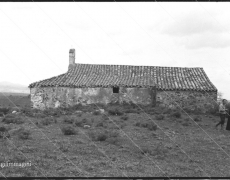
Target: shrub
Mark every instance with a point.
(115, 112)
(96, 113)
(125, 117)
(23, 133)
(149, 125)
(113, 134)
(68, 120)
(82, 122)
(176, 114)
(47, 121)
(130, 111)
(68, 130)
(187, 119)
(100, 124)
(160, 117)
(53, 112)
(113, 140)
(152, 127)
(4, 111)
(159, 150)
(197, 119)
(146, 150)
(185, 124)
(144, 124)
(138, 124)
(103, 135)
(97, 135)
(63, 147)
(4, 132)
(154, 134)
(122, 125)
(105, 117)
(12, 118)
(79, 123)
(39, 125)
(3, 129)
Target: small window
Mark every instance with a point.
(115, 89)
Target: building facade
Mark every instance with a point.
(154, 85)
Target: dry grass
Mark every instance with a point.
(105, 149)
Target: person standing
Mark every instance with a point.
(222, 111)
(228, 115)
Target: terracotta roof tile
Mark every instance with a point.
(164, 78)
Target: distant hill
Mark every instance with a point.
(9, 87)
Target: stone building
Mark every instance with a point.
(94, 83)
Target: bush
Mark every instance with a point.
(4, 111)
(39, 115)
(53, 112)
(113, 134)
(105, 117)
(160, 117)
(131, 111)
(113, 140)
(4, 132)
(149, 125)
(152, 127)
(125, 117)
(187, 119)
(23, 133)
(68, 120)
(176, 114)
(97, 135)
(82, 122)
(115, 112)
(79, 123)
(100, 124)
(68, 130)
(12, 118)
(197, 119)
(96, 113)
(47, 121)
(138, 124)
(185, 124)
(146, 150)
(103, 135)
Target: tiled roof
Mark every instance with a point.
(164, 78)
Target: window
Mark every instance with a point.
(115, 89)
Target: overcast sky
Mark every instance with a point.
(35, 38)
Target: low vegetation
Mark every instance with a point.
(57, 140)
(13, 118)
(23, 133)
(68, 130)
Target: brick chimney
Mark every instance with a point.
(71, 58)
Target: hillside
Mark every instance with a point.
(13, 88)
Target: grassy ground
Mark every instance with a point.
(128, 144)
(12, 99)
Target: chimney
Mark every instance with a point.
(71, 58)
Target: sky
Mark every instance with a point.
(35, 37)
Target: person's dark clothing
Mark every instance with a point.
(222, 112)
(222, 119)
(228, 115)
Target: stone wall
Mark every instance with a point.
(191, 100)
(49, 97)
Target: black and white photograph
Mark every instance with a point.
(114, 90)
